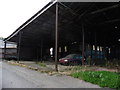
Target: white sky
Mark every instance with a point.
(14, 13)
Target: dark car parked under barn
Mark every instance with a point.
(72, 59)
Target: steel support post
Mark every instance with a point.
(19, 47)
(41, 50)
(99, 53)
(56, 38)
(5, 49)
(83, 43)
(91, 51)
(37, 51)
(95, 46)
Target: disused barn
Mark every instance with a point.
(89, 28)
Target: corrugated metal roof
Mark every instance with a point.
(96, 16)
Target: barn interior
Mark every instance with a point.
(89, 27)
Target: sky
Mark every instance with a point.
(13, 13)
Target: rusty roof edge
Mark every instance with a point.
(51, 3)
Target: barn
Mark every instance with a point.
(61, 28)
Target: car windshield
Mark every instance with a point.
(70, 56)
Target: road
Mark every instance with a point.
(19, 77)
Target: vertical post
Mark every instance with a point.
(41, 50)
(5, 50)
(95, 47)
(56, 38)
(19, 47)
(99, 53)
(37, 51)
(91, 51)
(83, 43)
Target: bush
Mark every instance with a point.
(102, 78)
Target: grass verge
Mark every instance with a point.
(101, 78)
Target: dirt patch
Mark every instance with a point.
(96, 68)
(63, 70)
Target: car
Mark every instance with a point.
(72, 59)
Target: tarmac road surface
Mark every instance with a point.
(0, 75)
(19, 77)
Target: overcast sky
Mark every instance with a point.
(14, 13)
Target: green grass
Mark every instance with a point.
(101, 78)
(42, 64)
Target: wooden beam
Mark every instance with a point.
(109, 21)
(105, 9)
(72, 12)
